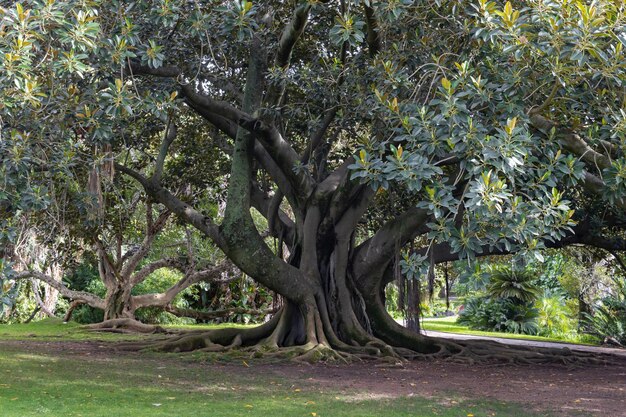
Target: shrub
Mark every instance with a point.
(608, 321)
(499, 315)
(555, 318)
(517, 285)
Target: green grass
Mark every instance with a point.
(35, 381)
(449, 325)
(54, 329)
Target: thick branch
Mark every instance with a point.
(171, 71)
(572, 142)
(288, 40)
(291, 34)
(168, 138)
(271, 139)
(373, 37)
(139, 276)
(393, 235)
(281, 224)
(155, 300)
(176, 206)
(88, 298)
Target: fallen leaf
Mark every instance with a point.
(314, 414)
(245, 364)
(249, 406)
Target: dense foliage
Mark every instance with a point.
(608, 321)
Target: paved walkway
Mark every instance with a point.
(520, 342)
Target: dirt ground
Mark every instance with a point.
(592, 390)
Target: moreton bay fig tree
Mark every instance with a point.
(373, 136)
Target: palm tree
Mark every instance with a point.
(517, 285)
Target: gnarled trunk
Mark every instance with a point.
(117, 303)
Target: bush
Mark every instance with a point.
(499, 315)
(555, 318)
(608, 321)
(519, 286)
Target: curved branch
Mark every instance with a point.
(162, 299)
(571, 141)
(176, 206)
(379, 249)
(292, 32)
(224, 125)
(153, 229)
(139, 276)
(88, 298)
(281, 224)
(278, 148)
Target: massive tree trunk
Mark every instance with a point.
(331, 284)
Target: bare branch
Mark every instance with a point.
(153, 229)
(88, 298)
(176, 206)
(106, 266)
(211, 274)
(139, 276)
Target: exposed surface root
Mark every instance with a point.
(413, 345)
(262, 342)
(487, 351)
(125, 325)
(282, 337)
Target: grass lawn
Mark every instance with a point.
(40, 381)
(449, 325)
(55, 329)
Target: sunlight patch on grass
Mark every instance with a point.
(449, 325)
(52, 329)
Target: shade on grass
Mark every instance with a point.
(35, 381)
